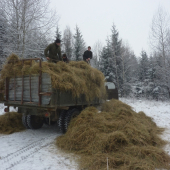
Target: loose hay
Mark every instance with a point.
(128, 139)
(77, 77)
(11, 122)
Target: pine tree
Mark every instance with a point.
(106, 64)
(146, 76)
(103, 62)
(152, 69)
(144, 61)
(134, 68)
(116, 55)
(110, 60)
(79, 45)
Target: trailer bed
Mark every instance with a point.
(36, 91)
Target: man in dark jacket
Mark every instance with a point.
(87, 55)
(53, 52)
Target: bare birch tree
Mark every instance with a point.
(97, 50)
(159, 36)
(159, 40)
(25, 18)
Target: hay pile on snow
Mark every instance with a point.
(77, 77)
(10, 123)
(128, 139)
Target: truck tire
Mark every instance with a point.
(34, 122)
(70, 115)
(61, 121)
(24, 121)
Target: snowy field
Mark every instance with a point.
(36, 150)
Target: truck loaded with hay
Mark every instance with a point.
(47, 92)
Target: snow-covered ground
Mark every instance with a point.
(36, 150)
(33, 150)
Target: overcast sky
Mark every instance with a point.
(95, 18)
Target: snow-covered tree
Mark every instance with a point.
(158, 78)
(96, 49)
(160, 33)
(36, 45)
(67, 45)
(3, 37)
(134, 68)
(79, 45)
(2, 33)
(143, 66)
(26, 18)
(116, 44)
(160, 43)
(110, 59)
(126, 69)
(105, 62)
(118, 63)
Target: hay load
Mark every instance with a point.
(11, 122)
(76, 77)
(128, 139)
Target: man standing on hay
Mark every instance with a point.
(87, 55)
(53, 52)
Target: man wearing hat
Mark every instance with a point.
(53, 52)
(87, 55)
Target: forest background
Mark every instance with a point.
(26, 29)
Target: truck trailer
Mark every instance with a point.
(40, 103)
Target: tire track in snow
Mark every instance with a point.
(10, 160)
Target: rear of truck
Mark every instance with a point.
(40, 103)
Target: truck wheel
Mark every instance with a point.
(70, 115)
(34, 122)
(61, 121)
(24, 121)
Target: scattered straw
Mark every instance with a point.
(11, 122)
(128, 139)
(77, 77)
